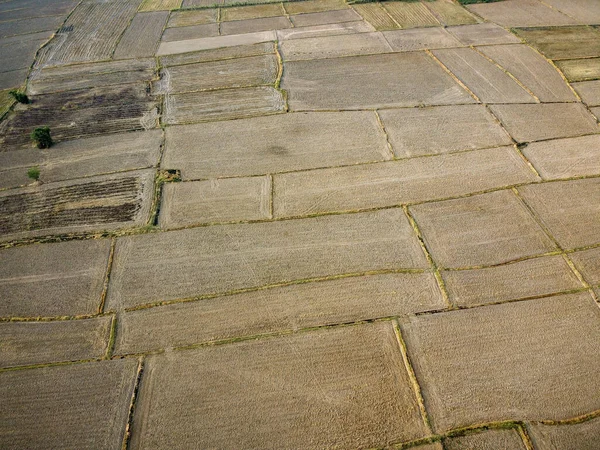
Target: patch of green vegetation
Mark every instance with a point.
(19, 96)
(41, 137)
(34, 173)
(169, 176)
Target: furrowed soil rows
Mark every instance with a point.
(91, 33)
(80, 113)
(222, 104)
(80, 76)
(252, 71)
(141, 38)
(96, 203)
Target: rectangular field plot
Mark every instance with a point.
(160, 5)
(563, 42)
(98, 155)
(194, 17)
(273, 144)
(91, 33)
(239, 51)
(179, 264)
(142, 36)
(223, 104)
(99, 203)
(253, 71)
(190, 32)
(82, 113)
(403, 80)
(81, 76)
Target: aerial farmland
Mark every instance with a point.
(304, 224)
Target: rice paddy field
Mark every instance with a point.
(300, 224)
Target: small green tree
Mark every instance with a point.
(34, 173)
(19, 96)
(41, 137)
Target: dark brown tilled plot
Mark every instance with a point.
(87, 204)
(12, 79)
(81, 113)
(18, 55)
(22, 9)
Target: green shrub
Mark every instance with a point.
(41, 137)
(21, 97)
(34, 173)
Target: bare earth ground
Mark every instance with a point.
(301, 225)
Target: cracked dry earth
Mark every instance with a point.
(301, 225)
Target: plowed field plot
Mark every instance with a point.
(141, 38)
(240, 51)
(91, 33)
(98, 155)
(252, 71)
(80, 76)
(195, 17)
(81, 113)
(98, 203)
(223, 104)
